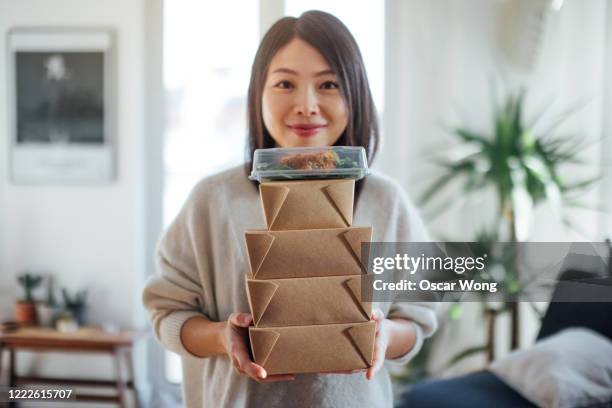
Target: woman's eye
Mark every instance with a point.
(284, 85)
(329, 85)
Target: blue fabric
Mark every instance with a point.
(481, 389)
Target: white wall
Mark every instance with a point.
(91, 237)
(442, 56)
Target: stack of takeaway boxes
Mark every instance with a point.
(304, 289)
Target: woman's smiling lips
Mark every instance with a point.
(306, 129)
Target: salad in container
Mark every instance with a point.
(304, 163)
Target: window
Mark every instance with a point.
(208, 51)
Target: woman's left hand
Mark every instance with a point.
(381, 342)
(380, 347)
(399, 332)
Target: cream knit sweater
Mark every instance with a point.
(202, 262)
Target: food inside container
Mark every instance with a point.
(342, 162)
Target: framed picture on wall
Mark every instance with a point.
(61, 89)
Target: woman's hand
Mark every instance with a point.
(235, 343)
(381, 342)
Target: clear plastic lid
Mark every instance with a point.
(340, 162)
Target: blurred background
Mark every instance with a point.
(445, 74)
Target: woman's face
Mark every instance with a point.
(302, 105)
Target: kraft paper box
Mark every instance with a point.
(313, 349)
(306, 253)
(307, 301)
(305, 204)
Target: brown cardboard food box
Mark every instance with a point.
(307, 301)
(306, 204)
(309, 349)
(304, 288)
(306, 253)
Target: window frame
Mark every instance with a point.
(160, 391)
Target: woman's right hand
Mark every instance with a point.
(236, 346)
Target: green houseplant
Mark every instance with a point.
(76, 304)
(25, 309)
(523, 170)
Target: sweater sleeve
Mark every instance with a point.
(177, 292)
(410, 228)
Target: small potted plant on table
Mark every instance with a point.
(50, 310)
(76, 305)
(25, 309)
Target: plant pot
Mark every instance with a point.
(25, 313)
(79, 313)
(47, 315)
(66, 323)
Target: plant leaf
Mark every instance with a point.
(522, 202)
(437, 186)
(564, 115)
(465, 354)
(468, 136)
(581, 185)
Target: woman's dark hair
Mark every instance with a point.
(328, 35)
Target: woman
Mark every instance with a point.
(308, 88)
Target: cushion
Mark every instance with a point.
(572, 368)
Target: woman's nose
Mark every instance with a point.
(306, 103)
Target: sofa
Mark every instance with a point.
(485, 389)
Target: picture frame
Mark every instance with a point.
(61, 105)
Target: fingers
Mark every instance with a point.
(379, 350)
(241, 360)
(238, 352)
(380, 344)
(278, 377)
(377, 315)
(379, 358)
(241, 319)
(257, 372)
(244, 364)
